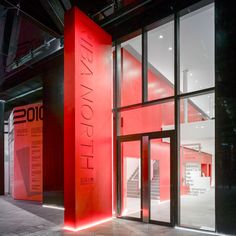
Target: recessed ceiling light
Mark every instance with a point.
(161, 36)
(191, 74)
(170, 48)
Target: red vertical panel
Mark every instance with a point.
(87, 121)
(27, 157)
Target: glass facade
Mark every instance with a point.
(160, 51)
(147, 119)
(197, 46)
(131, 72)
(197, 162)
(165, 94)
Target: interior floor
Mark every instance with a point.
(197, 212)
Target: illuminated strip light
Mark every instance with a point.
(53, 207)
(128, 213)
(24, 94)
(87, 226)
(198, 231)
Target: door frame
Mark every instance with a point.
(144, 139)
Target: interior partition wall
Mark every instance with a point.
(164, 81)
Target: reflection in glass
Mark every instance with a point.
(131, 179)
(197, 162)
(160, 180)
(161, 62)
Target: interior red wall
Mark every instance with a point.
(27, 160)
(87, 121)
(151, 118)
(161, 151)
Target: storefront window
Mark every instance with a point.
(197, 50)
(149, 91)
(131, 72)
(161, 61)
(197, 162)
(147, 119)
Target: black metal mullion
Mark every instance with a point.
(144, 67)
(197, 93)
(145, 104)
(117, 76)
(116, 143)
(119, 180)
(176, 167)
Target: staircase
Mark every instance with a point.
(155, 182)
(133, 190)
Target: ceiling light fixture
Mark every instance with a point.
(170, 48)
(161, 36)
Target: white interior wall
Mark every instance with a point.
(131, 165)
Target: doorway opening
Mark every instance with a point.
(146, 167)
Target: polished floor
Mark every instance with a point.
(28, 218)
(196, 211)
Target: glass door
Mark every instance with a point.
(160, 179)
(130, 162)
(146, 177)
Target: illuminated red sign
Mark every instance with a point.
(87, 122)
(26, 156)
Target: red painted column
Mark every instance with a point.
(87, 122)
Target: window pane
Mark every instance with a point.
(147, 119)
(161, 61)
(197, 155)
(131, 72)
(197, 50)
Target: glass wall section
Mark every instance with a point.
(197, 60)
(131, 72)
(148, 89)
(147, 119)
(161, 61)
(131, 178)
(197, 162)
(197, 119)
